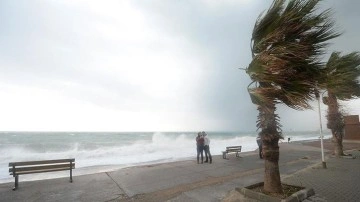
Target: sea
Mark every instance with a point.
(96, 152)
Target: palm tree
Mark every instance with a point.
(341, 81)
(286, 44)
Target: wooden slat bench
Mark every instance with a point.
(232, 149)
(29, 167)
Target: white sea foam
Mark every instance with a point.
(97, 152)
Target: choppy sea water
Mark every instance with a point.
(105, 151)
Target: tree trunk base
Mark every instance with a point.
(256, 192)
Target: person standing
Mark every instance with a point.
(200, 147)
(259, 142)
(207, 148)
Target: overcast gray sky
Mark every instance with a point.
(88, 65)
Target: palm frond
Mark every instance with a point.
(264, 24)
(342, 75)
(287, 43)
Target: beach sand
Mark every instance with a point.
(175, 181)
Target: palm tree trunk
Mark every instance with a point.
(335, 124)
(272, 182)
(267, 121)
(338, 138)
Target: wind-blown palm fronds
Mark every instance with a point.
(341, 81)
(287, 43)
(342, 75)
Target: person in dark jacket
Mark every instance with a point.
(259, 142)
(200, 147)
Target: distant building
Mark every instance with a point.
(352, 127)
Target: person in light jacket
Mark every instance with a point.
(207, 148)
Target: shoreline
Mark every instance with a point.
(95, 169)
(188, 181)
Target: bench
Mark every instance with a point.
(232, 149)
(29, 167)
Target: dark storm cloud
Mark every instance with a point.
(223, 33)
(65, 47)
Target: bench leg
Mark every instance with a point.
(224, 155)
(16, 182)
(71, 175)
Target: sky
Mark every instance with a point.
(88, 65)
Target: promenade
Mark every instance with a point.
(300, 164)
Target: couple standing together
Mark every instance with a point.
(202, 143)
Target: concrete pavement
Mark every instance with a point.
(189, 181)
(339, 182)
